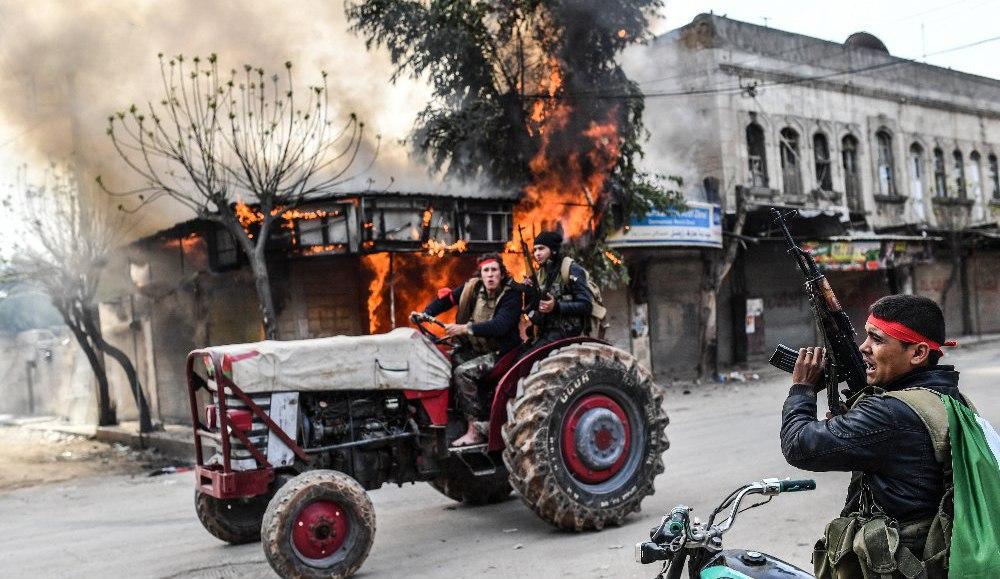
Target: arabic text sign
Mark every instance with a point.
(699, 226)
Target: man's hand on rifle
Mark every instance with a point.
(547, 304)
(809, 366)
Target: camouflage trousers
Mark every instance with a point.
(467, 377)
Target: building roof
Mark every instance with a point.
(863, 54)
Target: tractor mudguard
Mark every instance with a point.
(507, 384)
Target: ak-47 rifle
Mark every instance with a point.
(844, 361)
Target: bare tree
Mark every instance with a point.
(213, 142)
(68, 236)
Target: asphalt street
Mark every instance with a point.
(721, 436)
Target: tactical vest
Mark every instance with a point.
(474, 306)
(869, 544)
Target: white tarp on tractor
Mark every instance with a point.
(401, 359)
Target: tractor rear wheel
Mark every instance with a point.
(585, 436)
(321, 524)
(459, 484)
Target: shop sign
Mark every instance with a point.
(864, 255)
(699, 226)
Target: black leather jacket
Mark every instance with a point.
(880, 437)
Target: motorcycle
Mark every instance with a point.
(678, 540)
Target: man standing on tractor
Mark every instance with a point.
(563, 302)
(486, 325)
(898, 519)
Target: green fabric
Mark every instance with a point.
(975, 535)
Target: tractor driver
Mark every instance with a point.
(486, 324)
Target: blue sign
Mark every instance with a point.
(699, 226)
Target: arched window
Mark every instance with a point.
(852, 179)
(757, 155)
(975, 176)
(885, 169)
(916, 170)
(821, 152)
(958, 174)
(791, 170)
(940, 181)
(995, 177)
(916, 166)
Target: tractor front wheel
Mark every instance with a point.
(319, 525)
(585, 436)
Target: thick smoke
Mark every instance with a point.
(68, 65)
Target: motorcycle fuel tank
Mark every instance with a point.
(746, 564)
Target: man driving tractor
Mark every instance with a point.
(486, 325)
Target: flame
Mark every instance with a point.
(378, 265)
(439, 248)
(317, 249)
(187, 244)
(569, 171)
(411, 281)
(249, 217)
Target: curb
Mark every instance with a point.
(169, 446)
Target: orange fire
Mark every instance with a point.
(440, 248)
(378, 265)
(249, 216)
(568, 188)
(408, 282)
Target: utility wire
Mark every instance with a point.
(739, 88)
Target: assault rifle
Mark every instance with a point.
(844, 362)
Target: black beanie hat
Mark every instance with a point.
(550, 239)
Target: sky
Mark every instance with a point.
(109, 49)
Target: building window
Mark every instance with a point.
(940, 181)
(791, 171)
(885, 169)
(917, 170)
(975, 176)
(223, 252)
(958, 174)
(821, 151)
(995, 177)
(757, 155)
(322, 227)
(852, 180)
(486, 222)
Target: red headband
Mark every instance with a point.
(488, 260)
(906, 334)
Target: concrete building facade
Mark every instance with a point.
(881, 157)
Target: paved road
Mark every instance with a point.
(119, 526)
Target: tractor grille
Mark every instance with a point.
(239, 456)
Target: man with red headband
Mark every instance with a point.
(893, 438)
(486, 324)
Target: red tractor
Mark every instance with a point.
(289, 436)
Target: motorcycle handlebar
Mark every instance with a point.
(788, 486)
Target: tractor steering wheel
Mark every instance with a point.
(421, 321)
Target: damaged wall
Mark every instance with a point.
(61, 380)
